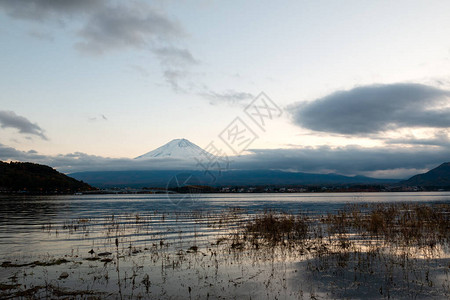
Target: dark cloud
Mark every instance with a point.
(172, 56)
(230, 97)
(140, 70)
(42, 10)
(78, 161)
(134, 25)
(107, 26)
(176, 63)
(439, 139)
(44, 36)
(174, 77)
(7, 153)
(350, 160)
(376, 108)
(9, 119)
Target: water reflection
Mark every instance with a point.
(22, 217)
(163, 249)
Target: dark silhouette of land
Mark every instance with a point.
(161, 178)
(437, 177)
(25, 177)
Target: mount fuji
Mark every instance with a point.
(177, 148)
(158, 167)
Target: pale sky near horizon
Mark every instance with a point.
(120, 78)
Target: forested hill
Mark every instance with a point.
(35, 178)
(437, 177)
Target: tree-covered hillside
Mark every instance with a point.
(437, 177)
(35, 178)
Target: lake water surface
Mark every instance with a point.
(22, 217)
(39, 228)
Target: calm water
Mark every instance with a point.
(36, 225)
(148, 239)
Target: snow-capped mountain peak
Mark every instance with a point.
(178, 148)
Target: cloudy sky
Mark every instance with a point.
(363, 86)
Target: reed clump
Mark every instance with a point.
(409, 224)
(403, 224)
(276, 228)
(363, 251)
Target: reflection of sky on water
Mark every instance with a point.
(418, 279)
(22, 218)
(39, 228)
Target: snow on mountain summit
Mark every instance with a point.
(178, 148)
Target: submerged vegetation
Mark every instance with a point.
(407, 224)
(364, 251)
(275, 228)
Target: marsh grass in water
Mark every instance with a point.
(361, 251)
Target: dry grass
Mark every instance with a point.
(356, 246)
(408, 224)
(275, 228)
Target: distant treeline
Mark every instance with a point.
(274, 189)
(39, 179)
(357, 188)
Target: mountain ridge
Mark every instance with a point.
(184, 150)
(160, 178)
(36, 178)
(437, 177)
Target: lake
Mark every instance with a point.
(144, 233)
